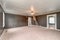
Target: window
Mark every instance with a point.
(51, 20)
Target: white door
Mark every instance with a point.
(51, 21)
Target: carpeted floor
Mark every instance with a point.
(30, 33)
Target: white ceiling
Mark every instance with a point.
(21, 6)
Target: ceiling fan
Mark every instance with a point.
(32, 11)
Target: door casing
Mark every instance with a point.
(55, 15)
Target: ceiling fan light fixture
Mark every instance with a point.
(32, 10)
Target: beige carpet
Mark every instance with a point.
(30, 33)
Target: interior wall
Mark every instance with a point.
(42, 20)
(58, 20)
(1, 10)
(12, 20)
(1, 20)
(34, 22)
(1, 17)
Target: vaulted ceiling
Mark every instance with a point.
(21, 7)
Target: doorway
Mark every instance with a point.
(52, 21)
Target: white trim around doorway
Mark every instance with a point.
(55, 20)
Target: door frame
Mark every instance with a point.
(55, 20)
(3, 19)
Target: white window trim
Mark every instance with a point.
(55, 20)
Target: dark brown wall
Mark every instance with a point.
(42, 20)
(58, 20)
(15, 21)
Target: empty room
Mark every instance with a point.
(29, 19)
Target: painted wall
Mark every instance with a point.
(12, 21)
(1, 17)
(58, 20)
(1, 10)
(17, 20)
(41, 20)
(1, 20)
